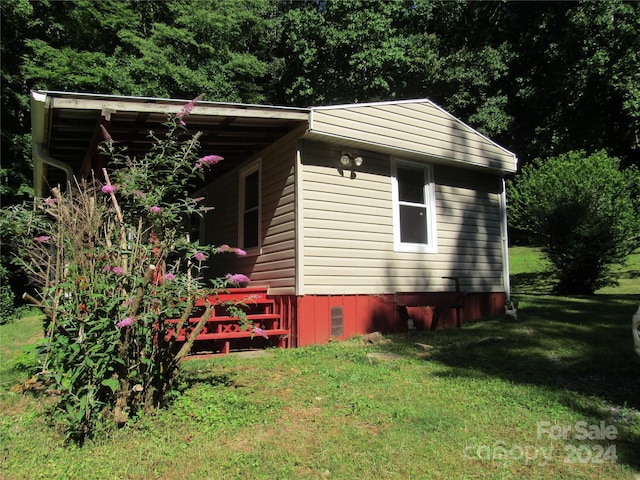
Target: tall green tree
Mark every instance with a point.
(15, 170)
(540, 78)
(343, 51)
(576, 77)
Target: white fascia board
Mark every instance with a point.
(89, 101)
(371, 104)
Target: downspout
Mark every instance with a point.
(40, 108)
(505, 242)
(42, 158)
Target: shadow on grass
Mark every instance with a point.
(538, 283)
(566, 345)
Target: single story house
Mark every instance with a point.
(354, 217)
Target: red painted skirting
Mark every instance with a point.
(309, 316)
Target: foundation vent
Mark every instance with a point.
(337, 322)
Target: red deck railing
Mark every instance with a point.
(223, 332)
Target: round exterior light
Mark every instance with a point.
(345, 160)
(357, 161)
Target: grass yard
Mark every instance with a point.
(553, 395)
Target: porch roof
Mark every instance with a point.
(66, 128)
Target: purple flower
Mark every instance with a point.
(106, 135)
(118, 270)
(125, 323)
(42, 238)
(50, 202)
(108, 189)
(169, 276)
(186, 110)
(155, 209)
(201, 257)
(227, 248)
(208, 160)
(261, 332)
(237, 278)
(106, 269)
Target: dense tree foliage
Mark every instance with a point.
(540, 78)
(584, 210)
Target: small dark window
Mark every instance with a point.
(251, 210)
(411, 185)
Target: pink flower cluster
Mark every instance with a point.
(116, 270)
(42, 238)
(125, 322)
(226, 248)
(208, 161)
(186, 110)
(261, 332)
(156, 210)
(237, 278)
(106, 135)
(107, 189)
(169, 276)
(199, 256)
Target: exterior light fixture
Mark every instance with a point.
(350, 160)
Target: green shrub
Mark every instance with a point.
(7, 307)
(584, 210)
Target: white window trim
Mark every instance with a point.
(430, 198)
(255, 166)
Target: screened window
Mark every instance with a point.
(414, 207)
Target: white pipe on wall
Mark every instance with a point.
(505, 241)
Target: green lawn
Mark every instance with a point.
(530, 273)
(498, 399)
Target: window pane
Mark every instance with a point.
(413, 224)
(251, 191)
(411, 185)
(250, 229)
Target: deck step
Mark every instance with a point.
(252, 317)
(222, 331)
(240, 334)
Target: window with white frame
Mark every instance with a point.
(249, 221)
(414, 212)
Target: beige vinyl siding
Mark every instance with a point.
(275, 265)
(348, 230)
(413, 126)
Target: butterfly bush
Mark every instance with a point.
(112, 261)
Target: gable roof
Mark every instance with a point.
(415, 128)
(66, 130)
